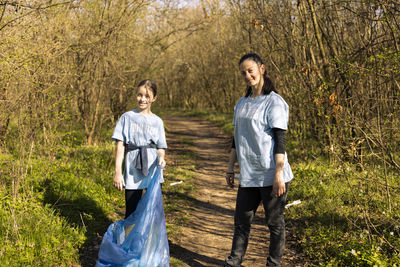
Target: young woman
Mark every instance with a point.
(140, 138)
(260, 120)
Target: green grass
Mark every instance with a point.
(338, 222)
(59, 207)
(176, 202)
(34, 235)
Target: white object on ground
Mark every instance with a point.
(294, 203)
(171, 184)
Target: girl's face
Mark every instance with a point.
(252, 72)
(145, 98)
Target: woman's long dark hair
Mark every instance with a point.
(268, 85)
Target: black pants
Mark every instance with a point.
(247, 201)
(132, 198)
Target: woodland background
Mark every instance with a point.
(68, 70)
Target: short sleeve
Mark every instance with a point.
(235, 111)
(118, 134)
(161, 143)
(277, 113)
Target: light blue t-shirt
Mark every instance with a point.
(140, 130)
(254, 119)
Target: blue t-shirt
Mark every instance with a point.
(254, 119)
(140, 130)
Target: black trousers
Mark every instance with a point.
(247, 201)
(132, 198)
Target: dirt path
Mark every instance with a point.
(206, 239)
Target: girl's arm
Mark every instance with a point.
(230, 173)
(118, 180)
(161, 157)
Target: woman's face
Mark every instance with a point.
(252, 73)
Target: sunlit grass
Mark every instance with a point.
(61, 205)
(338, 222)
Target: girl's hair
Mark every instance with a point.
(268, 85)
(150, 85)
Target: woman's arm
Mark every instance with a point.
(279, 187)
(118, 180)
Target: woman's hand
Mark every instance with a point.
(230, 179)
(118, 181)
(278, 188)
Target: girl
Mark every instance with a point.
(260, 120)
(140, 137)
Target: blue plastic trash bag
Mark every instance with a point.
(146, 245)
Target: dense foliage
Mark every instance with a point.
(69, 69)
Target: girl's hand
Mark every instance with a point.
(118, 181)
(162, 162)
(278, 188)
(230, 179)
(161, 157)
